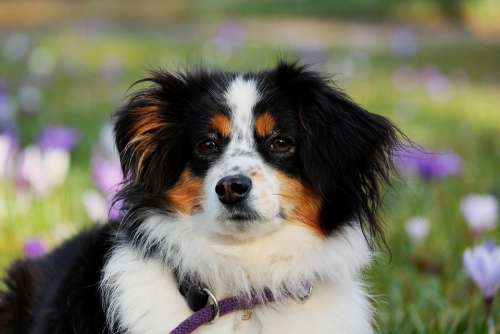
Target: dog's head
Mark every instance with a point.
(249, 153)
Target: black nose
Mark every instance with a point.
(233, 189)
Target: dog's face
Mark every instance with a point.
(248, 153)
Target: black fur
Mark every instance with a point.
(345, 151)
(58, 293)
(342, 151)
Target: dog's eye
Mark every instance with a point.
(281, 145)
(208, 146)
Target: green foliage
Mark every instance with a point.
(326, 8)
(417, 288)
(357, 9)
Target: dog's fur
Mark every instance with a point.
(316, 161)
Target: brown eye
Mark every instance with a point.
(207, 147)
(281, 145)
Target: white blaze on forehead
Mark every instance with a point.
(241, 97)
(241, 157)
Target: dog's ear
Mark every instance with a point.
(345, 150)
(146, 129)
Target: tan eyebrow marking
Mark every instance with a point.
(222, 124)
(264, 124)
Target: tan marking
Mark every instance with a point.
(147, 120)
(264, 124)
(222, 124)
(300, 203)
(185, 196)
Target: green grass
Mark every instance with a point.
(408, 298)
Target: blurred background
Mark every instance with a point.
(432, 66)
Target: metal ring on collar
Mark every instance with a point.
(215, 303)
(305, 297)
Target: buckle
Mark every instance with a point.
(213, 300)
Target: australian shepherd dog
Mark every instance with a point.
(256, 183)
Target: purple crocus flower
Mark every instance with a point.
(230, 36)
(62, 138)
(8, 150)
(428, 165)
(108, 176)
(6, 105)
(116, 210)
(441, 165)
(482, 265)
(436, 83)
(403, 42)
(312, 56)
(34, 248)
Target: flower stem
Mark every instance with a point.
(490, 321)
(491, 324)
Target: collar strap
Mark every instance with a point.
(198, 298)
(197, 295)
(208, 313)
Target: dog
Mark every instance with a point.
(246, 184)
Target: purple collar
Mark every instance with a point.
(219, 308)
(211, 311)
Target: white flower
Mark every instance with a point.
(64, 231)
(417, 228)
(480, 211)
(30, 97)
(42, 62)
(56, 164)
(43, 170)
(96, 206)
(31, 171)
(106, 144)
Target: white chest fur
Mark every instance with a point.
(143, 298)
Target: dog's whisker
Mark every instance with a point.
(283, 195)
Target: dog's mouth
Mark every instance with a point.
(242, 223)
(240, 214)
(242, 217)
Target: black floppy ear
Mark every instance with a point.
(146, 128)
(345, 150)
